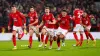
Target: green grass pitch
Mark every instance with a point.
(68, 50)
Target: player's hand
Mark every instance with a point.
(9, 28)
(73, 17)
(59, 18)
(37, 26)
(24, 27)
(84, 26)
(30, 24)
(50, 22)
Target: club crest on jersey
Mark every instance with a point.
(63, 22)
(31, 18)
(47, 21)
(16, 15)
(86, 22)
(15, 19)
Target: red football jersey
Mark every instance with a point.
(64, 23)
(47, 19)
(17, 18)
(77, 16)
(33, 17)
(86, 20)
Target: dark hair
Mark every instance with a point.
(47, 8)
(64, 10)
(77, 6)
(31, 6)
(13, 6)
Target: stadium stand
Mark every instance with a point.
(55, 5)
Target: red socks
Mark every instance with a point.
(51, 42)
(91, 36)
(76, 38)
(46, 40)
(30, 40)
(81, 39)
(42, 37)
(58, 42)
(14, 40)
(86, 33)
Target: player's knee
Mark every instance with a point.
(31, 32)
(81, 32)
(61, 36)
(43, 31)
(14, 32)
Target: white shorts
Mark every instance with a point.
(55, 32)
(78, 27)
(49, 30)
(36, 30)
(61, 31)
(19, 29)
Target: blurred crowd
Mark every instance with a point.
(55, 5)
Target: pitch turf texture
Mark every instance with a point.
(68, 50)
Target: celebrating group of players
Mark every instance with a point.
(54, 29)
